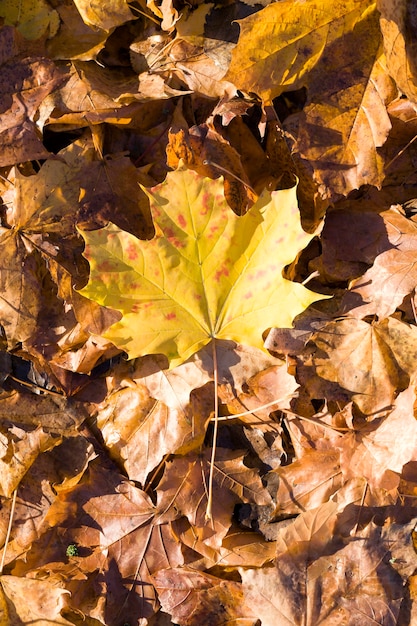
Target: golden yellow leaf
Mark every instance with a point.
(280, 44)
(33, 18)
(105, 14)
(207, 274)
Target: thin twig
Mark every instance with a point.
(209, 508)
(223, 169)
(9, 530)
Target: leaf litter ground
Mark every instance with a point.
(107, 410)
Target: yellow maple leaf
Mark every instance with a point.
(207, 274)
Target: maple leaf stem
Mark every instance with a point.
(339, 430)
(149, 17)
(226, 171)
(9, 530)
(259, 408)
(397, 156)
(215, 431)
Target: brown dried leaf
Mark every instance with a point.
(355, 585)
(351, 239)
(372, 361)
(184, 487)
(152, 417)
(266, 593)
(104, 15)
(24, 84)
(273, 386)
(190, 596)
(26, 601)
(205, 151)
(399, 26)
(75, 39)
(382, 289)
(308, 482)
(346, 123)
(379, 451)
(121, 539)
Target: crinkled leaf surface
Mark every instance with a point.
(106, 14)
(206, 274)
(279, 45)
(190, 596)
(309, 44)
(373, 361)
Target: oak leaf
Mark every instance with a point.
(207, 274)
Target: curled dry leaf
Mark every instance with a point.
(205, 151)
(19, 450)
(27, 600)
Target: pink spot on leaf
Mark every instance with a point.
(132, 253)
(170, 316)
(182, 221)
(205, 201)
(248, 295)
(105, 266)
(223, 271)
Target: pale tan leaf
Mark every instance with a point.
(34, 601)
(378, 452)
(191, 596)
(372, 361)
(184, 487)
(308, 482)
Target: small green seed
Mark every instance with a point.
(72, 550)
